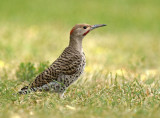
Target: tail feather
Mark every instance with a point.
(28, 89)
(24, 90)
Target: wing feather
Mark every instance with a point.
(68, 63)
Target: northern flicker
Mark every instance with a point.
(66, 68)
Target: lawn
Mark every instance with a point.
(122, 75)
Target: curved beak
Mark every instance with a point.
(96, 26)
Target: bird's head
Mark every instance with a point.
(81, 30)
(78, 32)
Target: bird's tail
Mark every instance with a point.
(25, 90)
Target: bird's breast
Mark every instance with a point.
(69, 79)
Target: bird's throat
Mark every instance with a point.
(76, 43)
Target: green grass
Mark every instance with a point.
(122, 75)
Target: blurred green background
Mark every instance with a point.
(38, 30)
(120, 15)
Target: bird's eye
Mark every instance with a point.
(85, 27)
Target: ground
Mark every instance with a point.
(122, 75)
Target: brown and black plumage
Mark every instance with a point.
(66, 68)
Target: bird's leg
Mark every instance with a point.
(61, 90)
(61, 95)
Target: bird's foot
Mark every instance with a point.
(61, 95)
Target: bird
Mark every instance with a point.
(67, 68)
